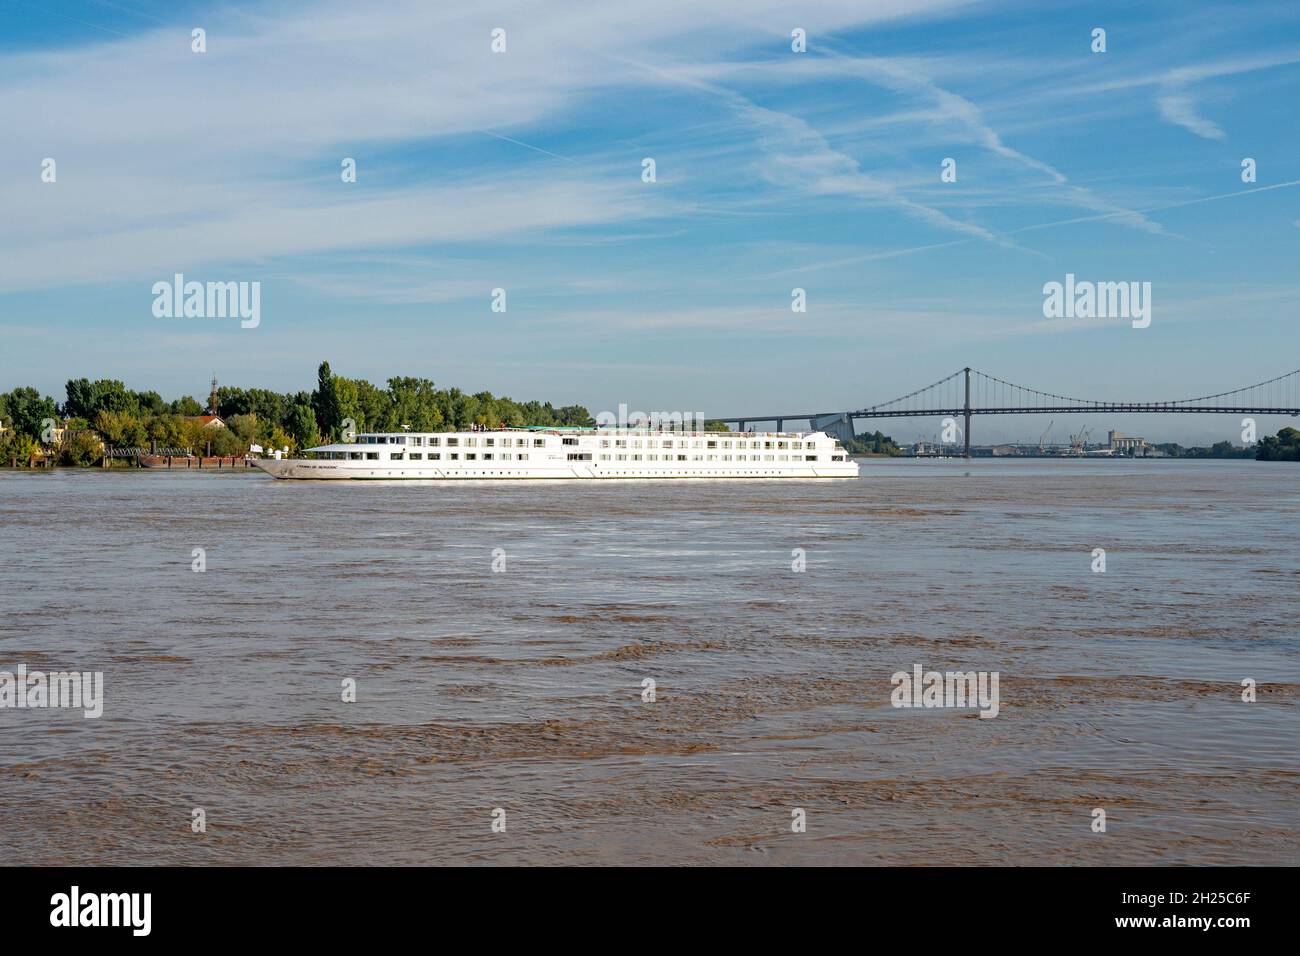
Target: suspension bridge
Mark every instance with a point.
(968, 392)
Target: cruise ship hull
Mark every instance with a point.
(309, 470)
(569, 454)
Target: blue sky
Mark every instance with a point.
(775, 170)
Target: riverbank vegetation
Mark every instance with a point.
(1285, 446)
(107, 413)
(872, 443)
(1220, 449)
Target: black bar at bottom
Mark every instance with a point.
(949, 906)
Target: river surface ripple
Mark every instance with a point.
(522, 689)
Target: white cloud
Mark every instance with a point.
(170, 157)
(1174, 96)
(1178, 107)
(259, 222)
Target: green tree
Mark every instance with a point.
(279, 438)
(17, 445)
(196, 435)
(86, 399)
(1285, 446)
(485, 410)
(348, 405)
(576, 415)
(267, 405)
(414, 402)
(245, 428)
(167, 430)
(302, 426)
(121, 430)
(508, 412)
(79, 448)
(375, 407)
(149, 403)
(872, 443)
(27, 409)
(325, 402)
(226, 442)
(186, 405)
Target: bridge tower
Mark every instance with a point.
(966, 431)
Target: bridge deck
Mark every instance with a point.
(1135, 408)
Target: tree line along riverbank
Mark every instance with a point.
(96, 416)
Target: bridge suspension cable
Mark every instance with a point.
(1293, 375)
(989, 394)
(894, 402)
(1013, 394)
(968, 392)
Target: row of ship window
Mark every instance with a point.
(419, 441)
(420, 456)
(587, 456)
(699, 443)
(573, 456)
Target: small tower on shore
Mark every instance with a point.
(214, 405)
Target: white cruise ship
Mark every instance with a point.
(507, 453)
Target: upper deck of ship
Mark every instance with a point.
(538, 437)
(385, 438)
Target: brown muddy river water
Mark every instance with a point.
(522, 689)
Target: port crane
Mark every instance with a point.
(1046, 432)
